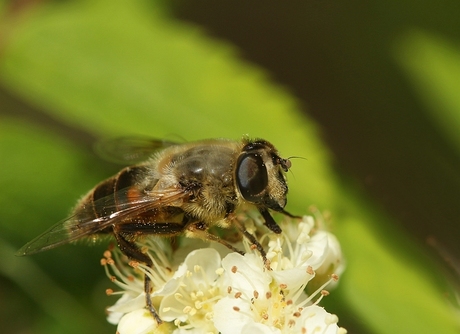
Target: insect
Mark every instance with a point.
(181, 189)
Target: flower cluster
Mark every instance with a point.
(212, 290)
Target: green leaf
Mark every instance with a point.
(114, 70)
(432, 64)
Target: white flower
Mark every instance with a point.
(257, 302)
(205, 291)
(196, 289)
(304, 245)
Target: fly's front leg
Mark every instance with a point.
(199, 230)
(255, 243)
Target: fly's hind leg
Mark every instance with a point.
(125, 235)
(131, 250)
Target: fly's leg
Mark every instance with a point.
(131, 250)
(125, 235)
(255, 243)
(270, 222)
(200, 230)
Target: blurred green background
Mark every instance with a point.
(368, 93)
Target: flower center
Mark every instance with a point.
(198, 296)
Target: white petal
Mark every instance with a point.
(114, 315)
(293, 278)
(230, 315)
(191, 331)
(137, 322)
(333, 257)
(318, 245)
(258, 328)
(127, 303)
(316, 319)
(246, 273)
(208, 259)
(169, 288)
(171, 309)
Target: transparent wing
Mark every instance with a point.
(130, 150)
(83, 223)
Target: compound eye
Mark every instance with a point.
(251, 176)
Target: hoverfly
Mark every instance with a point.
(181, 189)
